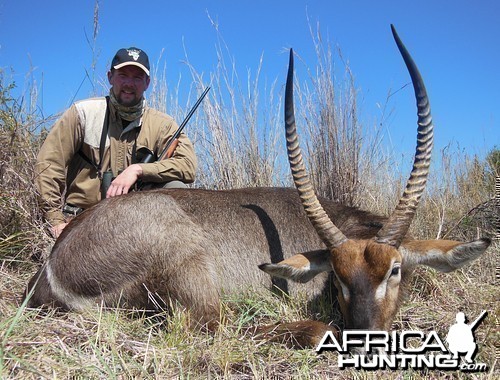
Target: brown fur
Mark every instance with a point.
(368, 274)
(145, 249)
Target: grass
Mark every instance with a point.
(113, 344)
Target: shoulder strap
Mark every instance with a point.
(102, 144)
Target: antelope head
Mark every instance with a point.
(368, 273)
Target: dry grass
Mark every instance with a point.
(113, 344)
(235, 150)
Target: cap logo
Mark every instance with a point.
(134, 54)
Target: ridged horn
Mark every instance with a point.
(399, 222)
(327, 231)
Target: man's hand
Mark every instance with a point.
(56, 230)
(124, 181)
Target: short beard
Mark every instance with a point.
(131, 103)
(127, 112)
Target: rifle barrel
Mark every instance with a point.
(474, 324)
(183, 124)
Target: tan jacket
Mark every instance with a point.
(64, 177)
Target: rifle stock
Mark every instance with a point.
(171, 149)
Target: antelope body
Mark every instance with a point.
(144, 249)
(189, 245)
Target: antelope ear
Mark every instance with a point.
(301, 267)
(442, 255)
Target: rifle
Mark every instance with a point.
(147, 156)
(168, 151)
(474, 324)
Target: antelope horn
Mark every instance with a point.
(327, 231)
(398, 223)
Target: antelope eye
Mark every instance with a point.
(395, 271)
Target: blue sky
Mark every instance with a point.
(455, 44)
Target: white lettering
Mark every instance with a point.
(393, 350)
(373, 341)
(329, 336)
(349, 338)
(347, 361)
(405, 336)
(433, 347)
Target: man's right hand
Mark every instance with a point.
(56, 230)
(124, 181)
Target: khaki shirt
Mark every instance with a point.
(63, 176)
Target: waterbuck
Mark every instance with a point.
(147, 249)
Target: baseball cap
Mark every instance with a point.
(131, 56)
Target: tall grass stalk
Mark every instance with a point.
(239, 144)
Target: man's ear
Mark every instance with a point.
(301, 267)
(442, 255)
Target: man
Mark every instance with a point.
(461, 339)
(101, 137)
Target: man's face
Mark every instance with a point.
(128, 84)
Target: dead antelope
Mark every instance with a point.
(147, 249)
